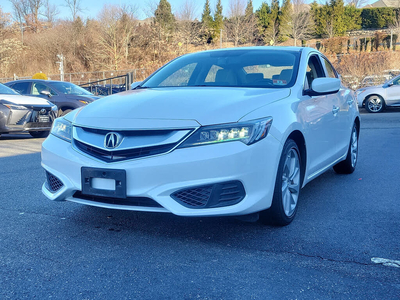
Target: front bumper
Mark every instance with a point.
(20, 118)
(158, 177)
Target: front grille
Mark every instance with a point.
(211, 196)
(129, 201)
(53, 184)
(114, 156)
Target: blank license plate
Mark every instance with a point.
(44, 119)
(109, 183)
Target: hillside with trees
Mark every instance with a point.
(32, 36)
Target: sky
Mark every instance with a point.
(91, 8)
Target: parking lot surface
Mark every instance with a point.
(343, 244)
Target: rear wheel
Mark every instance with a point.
(287, 188)
(349, 164)
(374, 104)
(39, 134)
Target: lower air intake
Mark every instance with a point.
(53, 184)
(211, 196)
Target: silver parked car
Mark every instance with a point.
(27, 114)
(376, 98)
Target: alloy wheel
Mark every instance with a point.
(290, 182)
(375, 104)
(354, 147)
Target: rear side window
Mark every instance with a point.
(22, 88)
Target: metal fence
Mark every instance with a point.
(87, 77)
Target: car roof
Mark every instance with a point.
(35, 80)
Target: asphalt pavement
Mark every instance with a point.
(343, 244)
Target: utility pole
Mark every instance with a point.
(391, 39)
(61, 62)
(22, 32)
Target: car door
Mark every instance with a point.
(38, 87)
(344, 100)
(316, 113)
(393, 92)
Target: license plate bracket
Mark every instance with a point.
(44, 119)
(87, 175)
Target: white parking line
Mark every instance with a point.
(386, 262)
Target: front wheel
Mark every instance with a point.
(39, 134)
(349, 164)
(287, 188)
(374, 104)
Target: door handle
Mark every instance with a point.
(335, 110)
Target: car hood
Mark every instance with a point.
(82, 97)
(24, 100)
(175, 107)
(371, 87)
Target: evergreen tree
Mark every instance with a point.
(263, 17)
(206, 17)
(285, 19)
(218, 23)
(164, 17)
(250, 22)
(249, 11)
(207, 23)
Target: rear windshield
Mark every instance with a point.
(229, 68)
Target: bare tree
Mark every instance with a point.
(300, 26)
(50, 12)
(117, 25)
(188, 27)
(27, 12)
(74, 6)
(10, 47)
(236, 23)
(357, 3)
(188, 11)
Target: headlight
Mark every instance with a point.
(11, 105)
(62, 129)
(247, 133)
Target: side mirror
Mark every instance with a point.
(323, 86)
(46, 93)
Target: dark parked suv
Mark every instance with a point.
(67, 96)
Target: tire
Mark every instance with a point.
(349, 164)
(39, 134)
(63, 112)
(287, 188)
(375, 104)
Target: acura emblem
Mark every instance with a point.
(112, 140)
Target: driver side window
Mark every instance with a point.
(314, 70)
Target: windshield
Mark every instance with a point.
(6, 90)
(229, 68)
(70, 88)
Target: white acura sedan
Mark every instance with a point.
(216, 133)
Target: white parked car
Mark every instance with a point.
(376, 98)
(215, 133)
